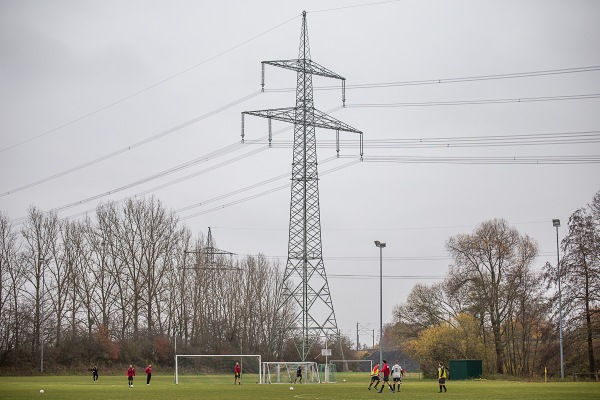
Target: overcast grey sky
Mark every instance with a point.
(98, 96)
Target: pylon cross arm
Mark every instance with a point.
(306, 66)
(280, 114)
(326, 121)
(210, 250)
(290, 114)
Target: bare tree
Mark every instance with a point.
(487, 262)
(580, 276)
(62, 264)
(525, 327)
(40, 232)
(124, 276)
(110, 243)
(426, 306)
(11, 281)
(176, 295)
(257, 304)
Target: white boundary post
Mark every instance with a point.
(176, 371)
(260, 380)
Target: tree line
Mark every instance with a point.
(129, 283)
(120, 287)
(494, 306)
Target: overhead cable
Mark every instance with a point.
(148, 87)
(483, 101)
(474, 78)
(135, 145)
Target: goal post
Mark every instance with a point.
(240, 356)
(285, 372)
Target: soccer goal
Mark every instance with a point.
(285, 372)
(186, 362)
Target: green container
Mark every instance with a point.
(465, 369)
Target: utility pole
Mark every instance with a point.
(359, 329)
(315, 317)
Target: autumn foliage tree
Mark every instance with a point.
(458, 338)
(489, 264)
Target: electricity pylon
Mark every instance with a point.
(210, 252)
(304, 289)
(208, 277)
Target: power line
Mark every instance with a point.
(394, 159)
(516, 160)
(203, 158)
(354, 6)
(379, 229)
(263, 193)
(245, 189)
(219, 152)
(138, 144)
(506, 140)
(545, 139)
(20, 220)
(390, 258)
(558, 140)
(474, 78)
(393, 277)
(539, 160)
(148, 87)
(130, 185)
(472, 102)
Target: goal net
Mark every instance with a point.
(285, 372)
(202, 364)
(327, 372)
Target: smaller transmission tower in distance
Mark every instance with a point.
(305, 289)
(208, 271)
(209, 253)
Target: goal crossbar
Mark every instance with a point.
(218, 355)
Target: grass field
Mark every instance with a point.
(220, 387)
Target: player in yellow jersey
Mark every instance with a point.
(374, 376)
(442, 374)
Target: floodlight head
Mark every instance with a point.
(556, 222)
(379, 244)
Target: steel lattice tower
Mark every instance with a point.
(305, 281)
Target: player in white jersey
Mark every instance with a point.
(397, 374)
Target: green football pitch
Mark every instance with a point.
(216, 387)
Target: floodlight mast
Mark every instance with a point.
(556, 224)
(316, 317)
(43, 262)
(381, 245)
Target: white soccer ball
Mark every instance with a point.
(42, 391)
(291, 388)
